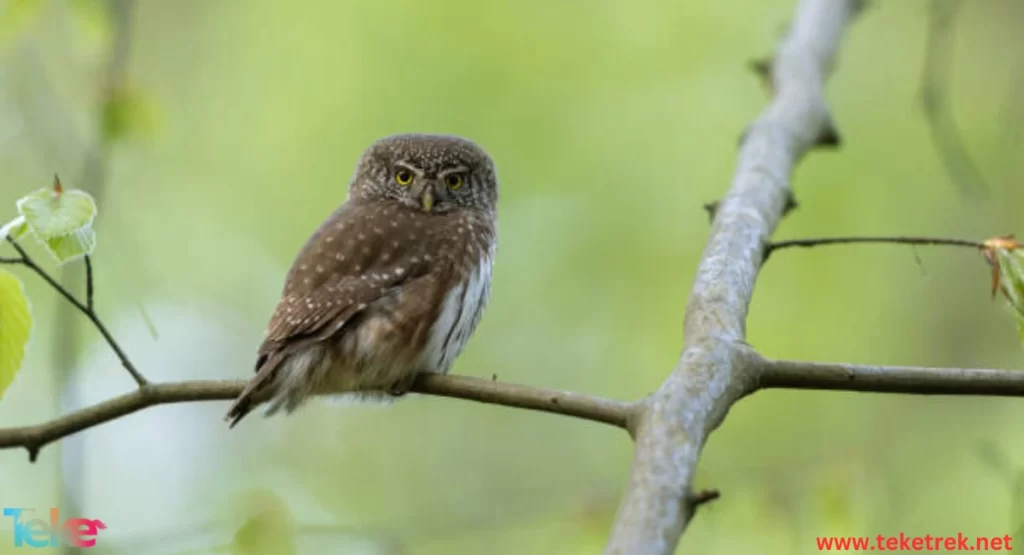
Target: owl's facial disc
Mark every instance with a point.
(401, 168)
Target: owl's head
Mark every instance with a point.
(432, 173)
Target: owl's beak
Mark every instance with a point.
(428, 198)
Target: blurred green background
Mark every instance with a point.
(233, 131)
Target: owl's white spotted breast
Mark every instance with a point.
(459, 317)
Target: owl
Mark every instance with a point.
(393, 283)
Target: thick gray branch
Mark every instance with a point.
(716, 367)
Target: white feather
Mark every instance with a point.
(459, 317)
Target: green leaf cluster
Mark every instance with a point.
(62, 222)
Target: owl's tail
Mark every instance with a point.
(246, 402)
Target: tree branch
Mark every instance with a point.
(891, 379)
(773, 246)
(892, 240)
(597, 409)
(34, 438)
(717, 367)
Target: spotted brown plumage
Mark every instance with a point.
(393, 283)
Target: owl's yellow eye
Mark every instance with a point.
(403, 177)
(453, 181)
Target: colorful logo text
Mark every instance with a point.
(36, 532)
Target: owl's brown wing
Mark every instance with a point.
(320, 313)
(305, 317)
(356, 257)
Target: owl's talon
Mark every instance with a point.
(401, 387)
(398, 391)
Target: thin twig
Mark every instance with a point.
(88, 283)
(793, 374)
(892, 240)
(29, 263)
(89, 313)
(34, 438)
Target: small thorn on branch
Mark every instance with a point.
(791, 203)
(762, 67)
(743, 137)
(33, 453)
(711, 208)
(829, 137)
(704, 496)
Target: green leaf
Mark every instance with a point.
(15, 327)
(72, 246)
(16, 228)
(61, 219)
(1011, 283)
(54, 213)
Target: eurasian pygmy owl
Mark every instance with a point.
(393, 283)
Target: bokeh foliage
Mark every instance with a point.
(611, 123)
